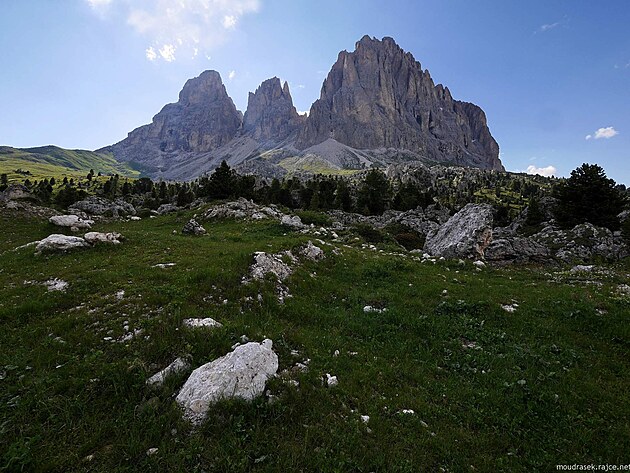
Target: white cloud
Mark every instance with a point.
(301, 86)
(546, 171)
(151, 54)
(183, 25)
(606, 133)
(168, 52)
(229, 21)
(232, 75)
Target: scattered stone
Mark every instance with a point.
(192, 227)
(408, 411)
(365, 419)
(312, 252)
(331, 381)
(479, 264)
(178, 366)
(509, 307)
(152, 451)
(241, 373)
(134, 218)
(201, 323)
(56, 285)
(120, 294)
(163, 265)
(111, 238)
(580, 268)
(370, 309)
(58, 243)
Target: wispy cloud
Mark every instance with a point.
(546, 27)
(549, 26)
(232, 75)
(605, 133)
(183, 26)
(547, 171)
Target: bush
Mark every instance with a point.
(368, 232)
(316, 218)
(410, 241)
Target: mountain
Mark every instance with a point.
(377, 107)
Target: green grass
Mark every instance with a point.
(47, 161)
(547, 384)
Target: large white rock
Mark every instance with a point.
(56, 242)
(241, 374)
(466, 234)
(71, 221)
(112, 238)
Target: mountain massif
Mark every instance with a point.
(377, 107)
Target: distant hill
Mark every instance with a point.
(52, 160)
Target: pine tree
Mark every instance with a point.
(589, 196)
(374, 193)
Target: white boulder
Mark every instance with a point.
(292, 221)
(57, 242)
(312, 252)
(71, 221)
(112, 238)
(241, 374)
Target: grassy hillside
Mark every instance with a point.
(490, 390)
(52, 161)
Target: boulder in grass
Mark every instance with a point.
(60, 243)
(465, 235)
(111, 238)
(71, 221)
(193, 227)
(241, 374)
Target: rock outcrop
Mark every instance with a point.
(270, 112)
(95, 205)
(465, 235)
(518, 250)
(240, 374)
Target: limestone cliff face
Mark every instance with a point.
(270, 114)
(203, 119)
(379, 97)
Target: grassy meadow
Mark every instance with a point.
(450, 380)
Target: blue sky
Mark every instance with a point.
(549, 74)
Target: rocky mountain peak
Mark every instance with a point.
(378, 97)
(204, 118)
(270, 112)
(206, 88)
